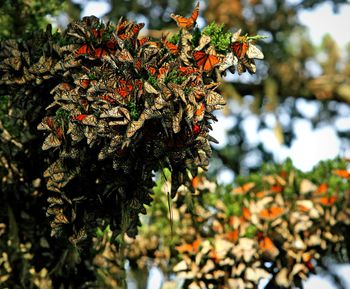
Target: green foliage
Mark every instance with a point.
(219, 38)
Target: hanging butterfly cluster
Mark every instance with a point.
(121, 108)
(276, 226)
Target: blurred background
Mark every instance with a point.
(297, 105)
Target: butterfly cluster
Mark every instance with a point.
(119, 107)
(276, 226)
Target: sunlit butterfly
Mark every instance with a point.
(173, 48)
(187, 70)
(271, 213)
(205, 61)
(184, 22)
(254, 52)
(189, 248)
(240, 48)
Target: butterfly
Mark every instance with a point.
(124, 88)
(268, 248)
(243, 189)
(189, 248)
(173, 48)
(342, 173)
(84, 49)
(245, 64)
(240, 48)
(99, 52)
(271, 213)
(187, 70)
(187, 23)
(205, 61)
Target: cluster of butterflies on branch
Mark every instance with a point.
(125, 106)
(275, 226)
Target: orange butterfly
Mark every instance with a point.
(124, 88)
(326, 201)
(187, 23)
(205, 61)
(271, 213)
(240, 48)
(268, 248)
(187, 70)
(99, 52)
(97, 32)
(173, 48)
(84, 49)
(189, 248)
(342, 173)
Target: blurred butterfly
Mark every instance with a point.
(272, 213)
(268, 248)
(205, 61)
(243, 189)
(245, 64)
(99, 52)
(189, 248)
(342, 173)
(187, 23)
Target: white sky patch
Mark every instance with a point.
(97, 8)
(220, 129)
(312, 146)
(322, 20)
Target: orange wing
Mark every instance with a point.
(206, 61)
(173, 48)
(271, 213)
(240, 48)
(184, 22)
(84, 49)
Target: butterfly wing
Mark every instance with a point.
(239, 48)
(210, 62)
(254, 52)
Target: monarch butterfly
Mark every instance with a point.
(84, 83)
(245, 64)
(187, 70)
(125, 56)
(189, 248)
(268, 248)
(187, 23)
(99, 52)
(205, 61)
(173, 48)
(326, 201)
(125, 88)
(254, 52)
(243, 189)
(51, 141)
(272, 213)
(98, 33)
(84, 49)
(342, 173)
(240, 48)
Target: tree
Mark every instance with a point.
(101, 175)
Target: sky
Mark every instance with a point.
(310, 145)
